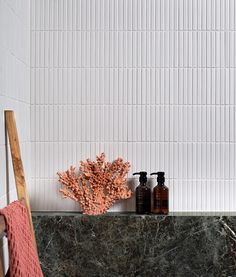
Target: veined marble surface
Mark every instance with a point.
(72, 244)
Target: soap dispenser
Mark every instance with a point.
(160, 195)
(143, 194)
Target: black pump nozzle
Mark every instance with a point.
(160, 176)
(143, 176)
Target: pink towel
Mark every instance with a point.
(23, 257)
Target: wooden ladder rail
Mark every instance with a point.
(17, 164)
(18, 169)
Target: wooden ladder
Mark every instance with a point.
(18, 169)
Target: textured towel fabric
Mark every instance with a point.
(23, 258)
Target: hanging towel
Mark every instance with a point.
(23, 258)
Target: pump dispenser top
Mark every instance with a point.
(160, 176)
(143, 194)
(143, 176)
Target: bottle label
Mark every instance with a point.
(157, 204)
(143, 201)
(165, 203)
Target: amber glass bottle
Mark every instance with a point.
(143, 194)
(160, 195)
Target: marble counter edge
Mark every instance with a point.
(132, 214)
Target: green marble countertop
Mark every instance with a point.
(120, 244)
(63, 213)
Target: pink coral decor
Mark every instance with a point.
(97, 185)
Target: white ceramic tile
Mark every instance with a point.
(147, 79)
(14, 90)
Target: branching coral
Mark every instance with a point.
(98, 185)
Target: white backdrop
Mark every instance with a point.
(152, 81)
(14, 91)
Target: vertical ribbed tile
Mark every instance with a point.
(152, 81)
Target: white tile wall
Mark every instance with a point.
(150, 80)
(14, 88)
